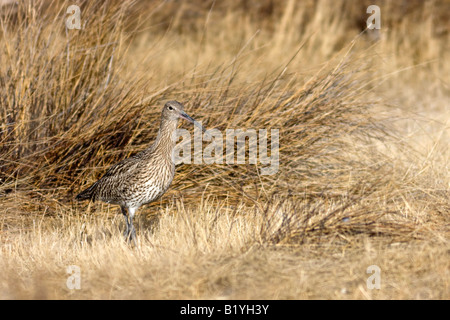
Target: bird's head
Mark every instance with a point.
(173, 110)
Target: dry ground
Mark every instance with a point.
(206, 254)
(364, 173)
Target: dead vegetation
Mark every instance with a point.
(363, 124)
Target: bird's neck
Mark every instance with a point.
(165, 140)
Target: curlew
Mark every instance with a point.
(144, 177)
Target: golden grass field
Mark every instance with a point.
(363, 178)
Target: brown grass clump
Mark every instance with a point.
(363, 145)
(55, 86)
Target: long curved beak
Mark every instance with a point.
(185, 116)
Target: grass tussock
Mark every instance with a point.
(363, 136)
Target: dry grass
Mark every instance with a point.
(364, 158)
(208, 254)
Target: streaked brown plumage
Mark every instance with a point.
(144, 177)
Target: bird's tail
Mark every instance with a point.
(86, 194)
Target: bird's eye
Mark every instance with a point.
(170, 108)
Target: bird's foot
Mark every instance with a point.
(130, 234)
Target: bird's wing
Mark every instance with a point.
(122, 168)
(116, 174)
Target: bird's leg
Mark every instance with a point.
(130, 232)
(127, 230)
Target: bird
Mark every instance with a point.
(144, 177)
